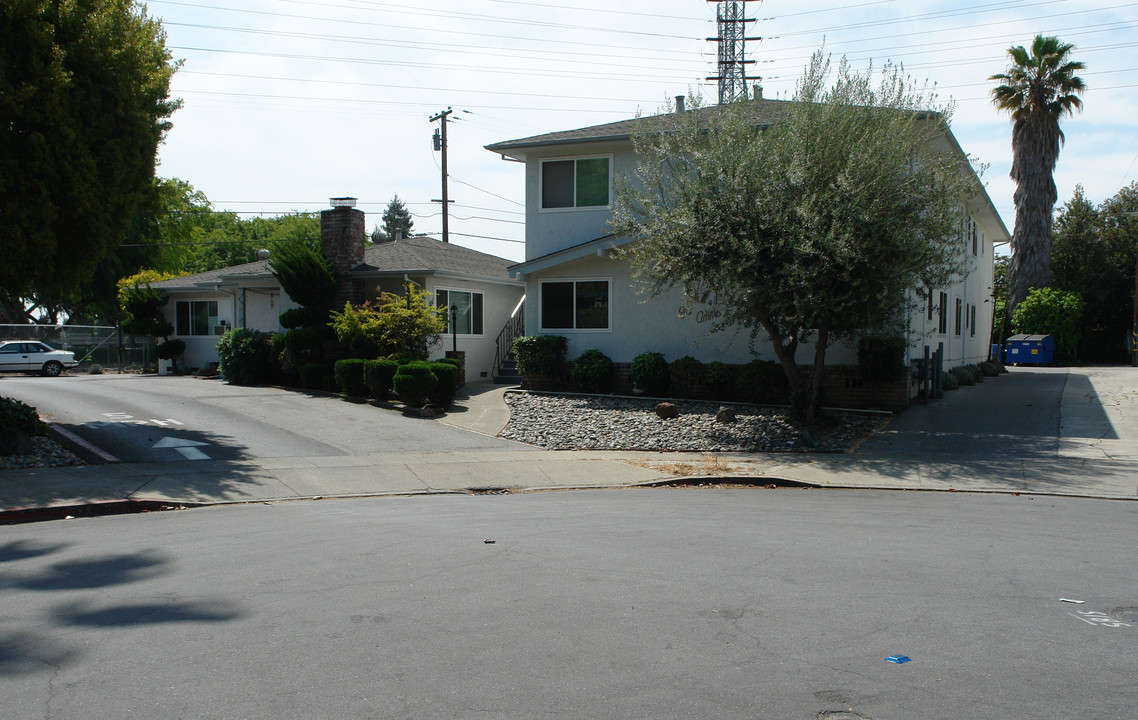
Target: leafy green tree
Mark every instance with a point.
(1000, 318)
(399, 326)
(1050, 311)
(811, 228)
(84, 102)
(397, 219)
(305, 275)
(1039, 89)
(1093, 254)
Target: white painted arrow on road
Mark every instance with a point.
(188, 448)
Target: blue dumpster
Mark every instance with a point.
(1030, 349)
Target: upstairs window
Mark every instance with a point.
(942, 319)
(959, 313)
(583, 182)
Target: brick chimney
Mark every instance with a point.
(342, 236)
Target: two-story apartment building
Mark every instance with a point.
(576, 287)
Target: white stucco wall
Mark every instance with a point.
(551, 230)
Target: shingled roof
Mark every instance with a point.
(417, 254)
(766, 113)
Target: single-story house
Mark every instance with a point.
(478, 285)
(577, 288)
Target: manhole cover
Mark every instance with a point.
(1126, 614)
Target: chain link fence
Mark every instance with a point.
(99, 345)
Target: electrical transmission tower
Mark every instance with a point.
(733, 62)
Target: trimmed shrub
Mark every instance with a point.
(246, 356)
(15, 415)
(976, 372)
(312, 375)
(414, 382)
(948, 381)
(762, 381)
(378, 375)
(881, 358)
(650, 373)
(592, 371)
(686, 373)
(721, 379)
(989, 369)
(310, 317)
(962, 375)
(541, 358)
(443, 394)
(349, 376)
(170, 349)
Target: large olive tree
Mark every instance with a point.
(806, 220)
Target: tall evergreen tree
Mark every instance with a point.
(397, 218)
(1039, 89)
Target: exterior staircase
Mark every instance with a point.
(505, 364)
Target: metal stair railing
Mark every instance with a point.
(515, 328)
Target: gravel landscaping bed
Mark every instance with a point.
(560, 422)
(46, 453)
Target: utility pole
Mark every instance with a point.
(440, 139)
(732, 63)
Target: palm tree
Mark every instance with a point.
(1038, 89)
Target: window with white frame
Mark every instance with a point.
(467, 313)
(959, 314)
(195, 317)
(576, 183)
(973, 327)
(942, 320)
(575, 305)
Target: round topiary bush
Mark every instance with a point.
(312, 375)
(592, 371)
(170, 349)
(686, 374)
(443, 395)
(650, 373)
(378, 375)
(246, 356)
(989, 369)
(414, 382)
(349, 376)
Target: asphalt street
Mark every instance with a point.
(661, 603)
(147, 418)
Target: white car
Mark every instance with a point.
(32, 356)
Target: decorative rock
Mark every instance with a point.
(808, 438)
(725, 415)
(667, 411)
(567, 422)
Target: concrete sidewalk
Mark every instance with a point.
(1092, 452)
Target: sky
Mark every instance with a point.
(287, 103)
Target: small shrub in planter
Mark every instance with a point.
(414, 382)
(592, 371)
(976, 372)
(686, 373)
(650, 373)
(312, 375)
(541, 359)
(246, 356)
(349, 376)
(948, 381)
(170, 349)
(989, 369)
(442, 396)
(721, 379)
(15, 415)
(378, 375)
(962, 375)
